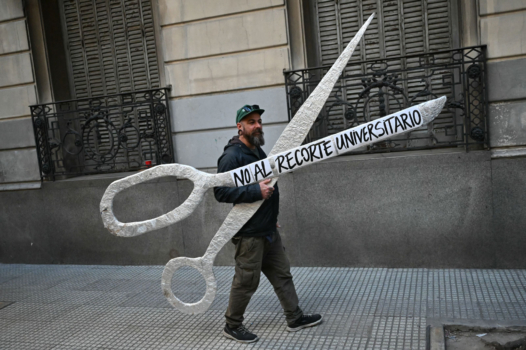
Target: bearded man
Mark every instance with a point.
(258, 243)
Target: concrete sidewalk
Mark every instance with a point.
(112, 307)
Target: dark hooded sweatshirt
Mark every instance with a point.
(263, 223)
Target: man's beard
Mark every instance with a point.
(256, 140)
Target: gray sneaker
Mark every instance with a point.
(304, 322)
(240, 334)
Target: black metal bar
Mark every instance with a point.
(35, 127)
(392, 58)
(113, 133)
(105, 96)
(169, 122)
(486, 97)
(380, 89)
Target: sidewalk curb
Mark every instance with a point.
(435, 338)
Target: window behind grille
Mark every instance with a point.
(111, 46)
(400, 28)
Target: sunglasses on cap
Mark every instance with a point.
(248, 108)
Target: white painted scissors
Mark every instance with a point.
(286, 155)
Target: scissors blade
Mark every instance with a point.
(299, 126)
(292, 137)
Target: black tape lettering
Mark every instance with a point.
(247, 176)
(412, 119)
(298, 162)
(385, 127)
(389, 123)
(397, 124)
(260, 169)
(289, 158)
(376, 128)
(238, 178)
(349, 139)
(404, 120)
(339, 145)
(306, 155)
(326, 149)
(312, 150)
(370, 130)
(358, 137)
(281, 160)
(265, 170)
(419, 117)
(319, 149)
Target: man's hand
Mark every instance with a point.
(266, 191)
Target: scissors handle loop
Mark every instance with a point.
(202, 182)
(240, 214)
(204, 266)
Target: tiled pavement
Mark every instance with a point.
(112, 307)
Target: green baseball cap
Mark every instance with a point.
(246, 110)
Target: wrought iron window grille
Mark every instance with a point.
(372, 89)
(106, 134)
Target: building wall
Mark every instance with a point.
(418, 209)
(219, 56)
(502, 28)
(18, 159)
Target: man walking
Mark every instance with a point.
(258, 244)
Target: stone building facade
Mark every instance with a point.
(433, 207)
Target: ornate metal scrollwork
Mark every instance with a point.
(108, 133)
(295, 92)
(72, 141)
(160, 109)
(38, 123)
(474, 71)
(477, 134)
(388, 85)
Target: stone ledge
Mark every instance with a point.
(508, 153)
(21, 186)
(489, 7)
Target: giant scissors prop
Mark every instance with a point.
(287, 154)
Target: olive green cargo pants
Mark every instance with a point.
(253, 256)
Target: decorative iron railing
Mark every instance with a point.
(368, 90)
(114, 133)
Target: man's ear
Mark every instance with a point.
(239, 126)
